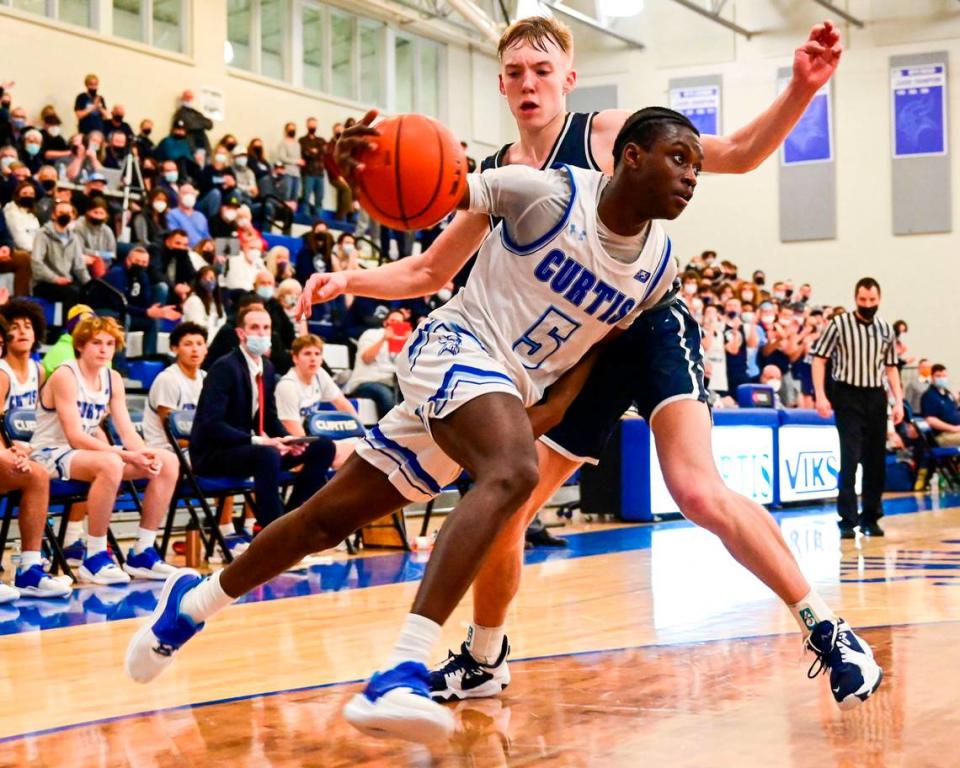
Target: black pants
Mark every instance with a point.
(266, 464)
(862, 424)
(67, 295)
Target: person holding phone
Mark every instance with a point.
(375, 370)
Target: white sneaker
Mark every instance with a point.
(102, 569)
(147, 565)
(33, 582)
(463, 677)
(8, 594)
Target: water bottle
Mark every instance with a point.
(192, 547)
(935, 481)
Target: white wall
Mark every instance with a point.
(738, 215)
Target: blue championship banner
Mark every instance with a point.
(918, 101)
(701, 103)
(811, 140)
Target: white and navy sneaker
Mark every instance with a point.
(461, 676)
(147, 565)
(396, 703)
(236, 543)
(8, 594)
(854, 674)
(101, 568)
(33, 582)
(75, 553)
(152, 647)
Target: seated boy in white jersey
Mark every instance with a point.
(578, 253)
(20, 375)
(71, 444)
(306, 385)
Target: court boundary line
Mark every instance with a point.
(320, 686)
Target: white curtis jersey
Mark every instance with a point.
(171, 389)
(22, 395)
(543, 289)
(92, 406)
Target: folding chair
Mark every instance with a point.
(337, 425)
(945, 459)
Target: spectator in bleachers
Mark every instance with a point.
(229, 142)
(204, 305)
(256, 159)
(32, 149)
(131, 278)
(59, 268)
(70, 443)
(246, 179)
(335, 178)
(278, 263)
(150, 223)
(802, 368)
(375, 369)
(265, 286)
(55, 148)
(142, 142)
(94, 186)
(205, 255)
(715, 356)
(224, 224)
(47, 179)
(939, 407)
(345, 255)
(216, 182)
(168, 179)
(247, 233)
(87, 159)
(18, 173)
(772, 377)
(900, 328)
(117, 122)
(738, 339)
(97, 240)
(195, 123)
(186, 217)
(90, 106)
(279, 183)
(316, 253)
(288, 153)
(8, 156)
(804, 293)
(403, 239)
(117, 151)
(312, 151)
(175, 146)
(22, 226)
(916, 386)
(237, 432)
(242, 269)
(226, 340)
(62, 351)
(306, 385)
(20, 375)
(288, 294)
(19, 124)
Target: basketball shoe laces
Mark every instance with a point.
(461, 661)
(821, 661)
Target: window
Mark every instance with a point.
(71, 11)
(312, 26)
(127, 21)
(341, 54)
(429, 79)
(273, 24)
(403, 57)
(168, 24)
(371, 61)
(239, 20)
(154, 22)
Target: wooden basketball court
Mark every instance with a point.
(636, 646)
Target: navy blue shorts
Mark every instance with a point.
(654, 362)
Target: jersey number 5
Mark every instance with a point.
(544, 337)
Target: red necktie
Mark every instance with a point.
(260, 395)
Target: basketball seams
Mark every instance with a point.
(440, 178)
(398, 173)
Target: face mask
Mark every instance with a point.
(177, 253)
(146, 131)
(347, 249)
(258, 151)
(311, 131)
(788, 292)
(254, 255)
(53, 130)
(94, 146)
(64, 219)
(209, 285)
(732, 314)
(289, 300)
(291, 134)
(33, 149)
(240, 162)
(266, 292)
(18, 122)
(941, 382)
(48, 184)
(767, 319)
(747, 317)
(866, 313)
(243, 223)
(94, 222)
(690, 288)
(26, 203)
(92, 92)
(282, 267)
(747, 295)
(229, 214)
(221, 158)
(258, 345)
(444, 295)
(231, 145)
(6, 162)
(170, 177)
(759, 280)
(218, 268)
(136, 271)
(207, 255)
(159, 206)
(779, 295)
(188, 201)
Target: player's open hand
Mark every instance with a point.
(817, 59)
(352, 143)
(319, 288)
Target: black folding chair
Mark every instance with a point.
(945, 459)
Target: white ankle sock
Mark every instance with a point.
(248, 525)
(417, 640)
(96, 544)
(74, 531)
(145, 539)
(28, 559)
(810, 611)
(485, 643)
(227, 529)
(206, 599)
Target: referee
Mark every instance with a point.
(863, 349)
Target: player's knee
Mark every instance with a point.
(512, 483)
(170, 467)
(110, 467)
(702, 504)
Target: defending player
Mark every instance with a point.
(578, 254)
(656, 364)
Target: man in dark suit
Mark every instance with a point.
(236, 430)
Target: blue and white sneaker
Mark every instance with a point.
(75, 553)
(33, 582)
(147, 565)
(101, 568)
(461, 676)
(236, 543)
(396, 703)
(854, 674)
(152, 648)
(8, 594)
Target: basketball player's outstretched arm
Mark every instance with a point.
(814, 63)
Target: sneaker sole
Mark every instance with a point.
(90, 578)
(401, 715)
(37, 592)
(488, 690)
(854, 700)
(148, 628)
(145, 573)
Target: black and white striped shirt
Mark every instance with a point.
(860, 351)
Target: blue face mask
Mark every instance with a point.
(33, 149)
(941, 382)
(265, 292)
(171, 177)
(258, 346)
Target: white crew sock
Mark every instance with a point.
(205, 599)
(145, 539)
(417, 640)
(485, 643)
(74, 531)
(227, 529)
(248, 524)
(96, 544)
(810, 611)
(28, 559)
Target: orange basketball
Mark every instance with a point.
(415, 176)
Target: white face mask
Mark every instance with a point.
(188, 200)
(243, 223)
(159, 206)
(254, 255)
(94, 146)
(229, 214)
(690, 288)
(347, 249)
(54, 130)
(747, 317)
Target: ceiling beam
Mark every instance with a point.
(582, 18)
(840, 12)
(478, 18)
(716, 17)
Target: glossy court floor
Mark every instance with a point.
(637, 646)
